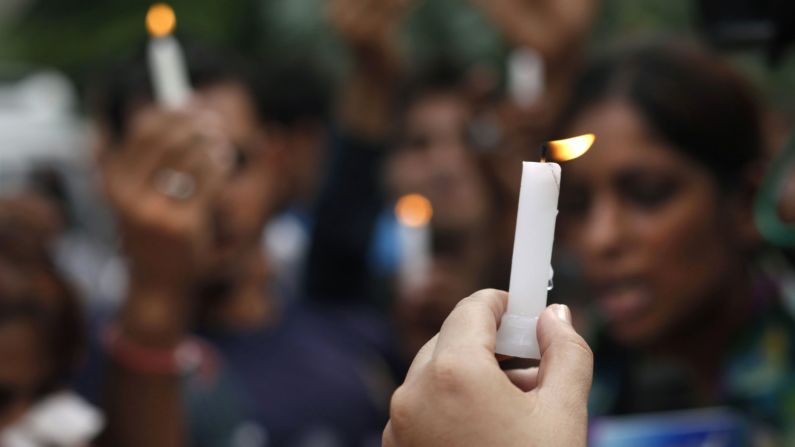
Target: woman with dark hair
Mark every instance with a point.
(659, 214)
(40, 337)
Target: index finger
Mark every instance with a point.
(471, 328)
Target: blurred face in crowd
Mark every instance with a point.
(658, 240)
(254, 186)
(30, 300)
(306, 142)
(23, 356)
(435, 161)
(22, 352)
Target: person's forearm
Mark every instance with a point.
(144, 406)
(144, 410)
(367, 102)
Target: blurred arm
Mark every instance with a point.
(369, 28)
(166, 241)
(146, 408)
(351, 199)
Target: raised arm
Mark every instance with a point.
(160, 183)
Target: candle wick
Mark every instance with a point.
(544, 152)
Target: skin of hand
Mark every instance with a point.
(455, 393)
(367, 24)
(369, 29)
(552, 27)
(166, 240)
(164, 237)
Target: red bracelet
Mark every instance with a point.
(185, 358)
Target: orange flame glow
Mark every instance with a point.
(570, 148)
(160, 20)
(413, 210)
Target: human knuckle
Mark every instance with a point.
(577, 350)
(401, 408)
(387, 438)
(447, 373)
(487, 292)
(470, 305)
(481, 300)
(580, 346)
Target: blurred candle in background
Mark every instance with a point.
(526, 78)
(166, 61)
(532, 248)
(414, 213)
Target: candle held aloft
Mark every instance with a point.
(167, 68)
(532, 253)
(526, 75)
(413, 213)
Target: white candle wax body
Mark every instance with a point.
(532, 254)
(167, 72)
(415, 254)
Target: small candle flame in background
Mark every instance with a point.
(160, 20)
(570, 148)
(414, 210)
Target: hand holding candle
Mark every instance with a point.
(532, 251)
(455, 392)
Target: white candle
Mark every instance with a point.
(413, 213)
(532, 253)
(532, 247)
(167, 68)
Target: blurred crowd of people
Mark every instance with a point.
(232, 272)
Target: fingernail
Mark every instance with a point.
(563, 313)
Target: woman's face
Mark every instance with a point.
(437, 162)
(656, 239)
(23, 352)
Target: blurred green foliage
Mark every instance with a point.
(79, 36)
(75, 35)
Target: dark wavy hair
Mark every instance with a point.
(688, 97)
(33, 291)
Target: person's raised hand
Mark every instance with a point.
(161, 182)
(549, 26)
(369, 29)
(367, 24)
(455, 393)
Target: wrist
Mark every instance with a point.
(182, 358)
(155, 316)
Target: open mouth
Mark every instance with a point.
(624, 300)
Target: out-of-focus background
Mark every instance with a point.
(345, 171)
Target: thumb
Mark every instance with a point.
(566, 367)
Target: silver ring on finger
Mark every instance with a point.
(176, 185)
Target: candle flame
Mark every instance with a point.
(413, 210)
(570, 148)
(160, 20)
